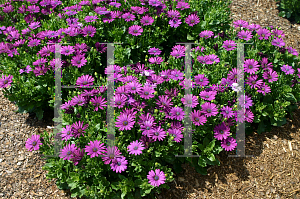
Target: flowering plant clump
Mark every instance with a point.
(149, 97)
(29, 29)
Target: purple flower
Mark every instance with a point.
(206, 34)
(119, 164)
(201, 80)
(136, 148)
(246, 35)
(110, 154)
(245, 101)
(78, 128)
(182, 5)
(67, 50)
(192, 20)
(240, 23)
(292, 51)
(133, 87)
(98, 102)
(27, 69)
(40, 70)
(85, 80)
(221, 131)
(79, 100)
(211, 59)
(125, 122)
(253, 27)
(90, 18)
(95, 148)
(34, 42)
(177, 134)
(164, 101)
(287, 69)
(176, 75)
(197, 118)
(229, 45)
(270, 75)
(147, 92)
(190, 101)
(251, 66)
(177, 113)
(128, 17)
(79, 61)
(264, 34)
(278, 42)
(278, 33)
(5, 81)
(158, 133)
(67, 152)
(177, 54)
(209, 109)
(249, 116)
(147, 20)
(227, 112)
(156, 178)
(67, 133)
(264, 89)
(120, 100)
(33, 143)
(175, 22)
(208, 95)
(173, 14)
(33, 9)
(229, 144)
(252, 81)
(135, 30)
(89, 31)
(156, 60)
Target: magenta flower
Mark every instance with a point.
(79, 61)
(135, 148)
(99, 103)
(192, 20)
(173, 14)
(251, 66)
(177, 113)
(227, 112)
(147, 20)
(247, 102)
(235, 74)
(240, 23)
(156, 60)
(201, 80)
(128, 17)
(182, 5)
(270, 75)
(177, 54)
(211, 59)
(278, 42)
(292, 51)
(156, 178)
(40, 70)
(229, 144)
(190, 101)
(176, 75)
(67, 50)
(26, 70)
(221, 131)
(208, 95)
(85, 80)
(5, 81)
(164, 101)
(133, 87)
(110, 154)
(154, 51)
(147, 127)
(77, 156)
(135, 30)
(239, 116)
(33, 143)
(120, 100)
(249, 116)
(78, 100)
(78, 128)
(264, 89)
(229, 45)
(177, 134)
(197, 118)
(253, 82)
(287, 69)
(67, 133)
(175, 22)
(158, 133)
(95, 148)
(33, 9)
(206, 34)
(147, 92)
(115, 4)
(34, 42)
(125, 122)
(253, 27)
(89, 31)
(67, 152)
(264, 34)
(90, 18)
(119, 164)
(278, 33)
(209, 109)
(246, 35)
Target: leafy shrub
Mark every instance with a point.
(289, 9)
(28, 26)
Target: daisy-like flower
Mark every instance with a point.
(77, 156)
(135, 30)
(229, 144)
(173, 14)
(252, 81)
(197, 118)
(40, 62)
(175, 22)
(245, 101)
(245, 35)
(133, 87)
(5, 81)
(235, 74)
(125, 122)
(158, 133)
(128, 17)
(146, 141)
(263, 33)
(40, 70)
(26, 70)
(202, 59)
(278, 33)
(240, 23)
(177, 134)
(182, 5)
(78, 60)
(85, 80)
(208, 95)
(89, 31)
(229, 45)
(176, 75)
(155, 3)
(270, 75)
(120, 100)
(99, 103)
(221, 131)
(287, 69)
(187, 83)
(211, 59)
(147, 20)
(34, 42)
(249, 116)
(192, 20)
(206, 34)
(154, 51)
(292, 51)
(115, 4)
(227, 112)
(177, 54)
(251, 66)
(90, 18)
(278, 42)
(190, 100)
(33, 143)
(78, 100)
(78, 128)
(67, 152)
(156, 60)
(33, 9)
(153, 80)
(67, 50)
(209, 109)
(147, 127)
(147, 92)
(110, 154)
(240, 116)
(95, 148)
(135, 148)
(253, 27)
(164, 101)
(264, 89)
(201, 80)
(67, 133)
(119, 164)
(235, 87)
(156, 178)
(265, 65)
(177, 113)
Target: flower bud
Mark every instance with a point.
(172, 138)
(155, 111)
(156, 164)
(121, 133)
(155, 93)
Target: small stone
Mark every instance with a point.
(21, 158)
(19, 163)
(1, 160)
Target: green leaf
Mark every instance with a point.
(201, 162)
(261, 128)
(205, 141)
(211, 157)
(290, 97)
(39, 114)
(275, 60)
(97, 127)
(201, 170)
(189, 37)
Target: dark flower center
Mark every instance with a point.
(5, 81)
(192, 21)
(78, 62)
(156, 133)
(190, 101)
(154, 81)
(67, 51)
(118, 103)
(89, 32)
(227, 112)
(119, 163)
(125, 123)
(177, 113)
(206, 96)
(209, 110)
(253, 82)
(135, 148)
(41, 72)
(221, 131)
(147, 21)
(197, 119)
(201, 80)
(34, 143)
(263, 89)
(111, 156)
(148, 128)
(176, 75)
(97, 104)
(95, 149)
(250, 66)
(133, 88)
(146, 93)
(68, 133)
(165, 77)
(69, 153)
(228, 144)
(235, 76)
(79, 130)
(163, 103)
(34, 43)
(84, 83)
(135, 31)
(229, 46)
(156, 177)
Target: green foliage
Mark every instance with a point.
(289, 9)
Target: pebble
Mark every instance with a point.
(1, 160)
(19, 163)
